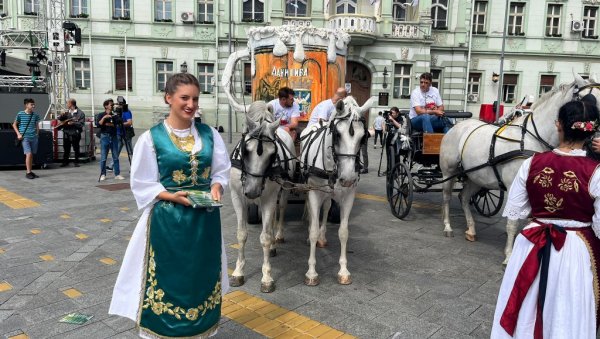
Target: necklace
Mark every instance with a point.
(186, 142)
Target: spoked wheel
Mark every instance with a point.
(400, 190)
(488, 202)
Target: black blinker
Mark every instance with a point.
(351, 129)
(259, 150)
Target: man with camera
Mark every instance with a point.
(71, 122)
(109, 139)
(125, 129)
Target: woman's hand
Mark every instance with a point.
(596, 145)
(180, 197)
(216, 190)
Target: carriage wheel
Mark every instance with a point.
(488, 202)
(400, 190)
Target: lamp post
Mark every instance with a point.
(504, 31)
(183, 67)
(385, 74)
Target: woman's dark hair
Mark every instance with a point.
(179, 79)
(584, 110)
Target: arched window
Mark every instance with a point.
(439, 14)
(399, 10)
(345, 7)
(297, 8)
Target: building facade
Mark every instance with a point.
(130, 48)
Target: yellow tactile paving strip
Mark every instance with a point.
(19, 336)
(273, 321)
(384, 199)
(14, 200)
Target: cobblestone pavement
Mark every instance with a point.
(409, 280)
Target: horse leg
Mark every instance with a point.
(281, 217)
(267, 285)
(447, 187)
(511, 232)
(469, 189)
(315, 199)
(240, 206)
(346, 203)
(322, 241)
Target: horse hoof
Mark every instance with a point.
(279, 240)
(344, 280)
(470, 237)
(449, 234)
(273, 253)
(236, 281)
(311, 281)
(267, 287)
(321, 244)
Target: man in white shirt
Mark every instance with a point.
(378, 127)
(426, 107)
(323, 111)
(286, 109)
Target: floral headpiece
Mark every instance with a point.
(586, 126)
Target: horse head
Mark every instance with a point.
(258, 149)
(348, 128)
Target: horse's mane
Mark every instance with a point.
(351, 109)
(561, 88)
(258, 112)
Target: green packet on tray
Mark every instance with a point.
(201, 199)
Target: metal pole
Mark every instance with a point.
(469, 55)
(229, 43)
(126, 71)
(501, 81)
(91, 67)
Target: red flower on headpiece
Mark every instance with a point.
(589, 126)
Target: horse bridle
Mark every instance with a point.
(335, 139)
(577, 90)
(270, 171)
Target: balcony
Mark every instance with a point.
(361, 28)
(406, 30)
(299, 22)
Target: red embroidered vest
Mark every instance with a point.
(558, 187)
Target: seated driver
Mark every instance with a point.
(427, 108)
(286, 109)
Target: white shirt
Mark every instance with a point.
(322, 111)
(378, 123)
(287, 112)
(428, 100)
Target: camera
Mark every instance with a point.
(386, 115)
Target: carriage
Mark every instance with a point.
(413, 167)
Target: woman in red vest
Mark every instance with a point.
(550, 287)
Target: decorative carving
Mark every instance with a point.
(588, 48)
(438, 38)
(586, 68)
(550, 66)
(552, 46)
(164, 52)
(434, 60)
(404, 54)
(475, 63)
(122, 50)
(478, 42)
(28, 24)
(205, 53)
(513, 65)
(514, 44)
(163, 31)
(205, 33)
(590, 2)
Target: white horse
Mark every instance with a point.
(265, 153)
(330, 155)
(467, 145)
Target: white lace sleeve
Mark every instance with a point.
(595, 192)
(517, 204)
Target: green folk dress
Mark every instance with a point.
(182, 281)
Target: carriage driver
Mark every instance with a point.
(286, 109)
(427, 108)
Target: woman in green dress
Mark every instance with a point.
(174, 269)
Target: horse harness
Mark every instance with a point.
(310, 168)
(494, 160)
(280, 167)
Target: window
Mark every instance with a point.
(589, 22)
(205, 11)
(206, 77)
(297, 8)
(509, 87)
(2, 6)
(479, 17)
(553, 20)
(164, 69)
(163, 10)
(546, 83)
(32, 7)
(81, 73)
(436, 80)
(121, 9)
(120, 80)
(247, 79)
(439, 14)
(399, 10)
(401, 81)
(79, 8)
(515, 18)
(474, 83)
(253, 10)
(345, 7)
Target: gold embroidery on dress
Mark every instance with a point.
(185, 144)
(206, 173)
(594, 270)
(194, 169)
(543, 177)
(179, 177)
(155, 296)
(552, 203)
(569, 182)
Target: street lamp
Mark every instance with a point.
(385, 74)
(183, 67)
(495, 77)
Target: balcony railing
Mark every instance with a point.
(406, 30)
(353, 23)
(297, 22)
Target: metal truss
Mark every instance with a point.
(13, 39)
(22, 81)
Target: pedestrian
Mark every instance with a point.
(71, 123)
(378, 127)
(108, 140)
(550, 285)
(322, 112)
(27, 129)
(174, 271)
